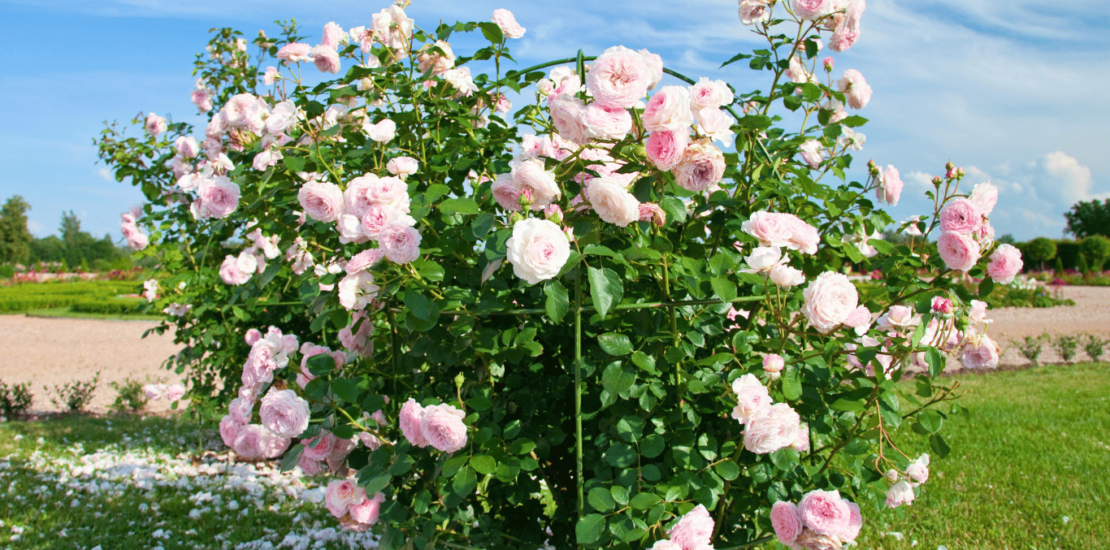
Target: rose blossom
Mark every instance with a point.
(366, 511)
(443, 428)
(785, 276)
(752, 396)
(763, 259)
(898, 494)
(961, 215)
(693, 530)
(284, 413)
(786, 522)
(537, 249)
(436, 62)
(702, 165)
(340, 494)
(216, 198)
(154, 392)
(771, 429)
(825, 512)
(960, 252)
(773, 363)
(618, 77)
(801, 440)
(985, 196)
(531, 176)
(229, 428)
(612, 202)
(811, 152)
(382, 131)
(1005, 264)
(606, 122)
(505, 20)
(409, 421)
(829, 300)
(271, 75)
(202, 99)
(254, 442)
(187, 146)
(855, 89)
(855, 523)
(918, 470)
(666, 147)
(769, 228)
(321, 200)
(401, 243)
(230, 272)
(754, 11)
(812, 10)
(890, 186)
(402, 167)
(155, 125)
(319, 447)
(668, 109)
(980, 352)
(357, 290)
(847, 30)
(326, 59)
(295, 52)
(175, 392)
(942, 305)
(651, 212)
(898, 318)
(709, 94)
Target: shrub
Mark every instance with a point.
(1097, 249)
(74, 396)
(6, 271)
(15, 399)
(131, 398)
(1031, 346)
(1041, 250)
(1093, 345)
(1059, 265)
(1081, 264)
(1067, 346)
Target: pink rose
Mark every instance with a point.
(890, 186)
(786, 522)
(537, 249)
(506, 193)
(155, 125)
(366, 512)
(443, 428)
(319, 447)
(708, 94)
(665, 148)
(980, 352)
(702, 166)
(244, 111)
(655, 67)
(855, 89)
(773, 363)
(358, 341)
(253, 335)
(310, 467)
(618, 77)
(918, 470)
(357, 290)
(321, 200)
(284, 413)
(202, 99)
(270, 76)
(984, 195)
(409, 420)
(331, 36)
(174, 392)
(771, 429)
(240, 410)
(400, 243)
(606, 122)
(531, 176)
(812, 10)
(754, 11)
(900, 493)
(402, 167)
(326, 59)
(340, 494)
(651, 212)
(769, 228)
(693, 530)
(801, 440)
(567, 113)
(187, 146)
(505, 20)
(959, 251)
(381, 132)
(961, 215)
(217, 197)
(1005, 264)
(752, 396)
(230, 272)
(364, 260)
(825, 512)
(229, 428)
(254, 442)
(668, 109)
(811, 152)
(436, 62)
(847, 30)
(860, 317)
(942, 305)
(295, 52)
(612, 202)
(829, 300)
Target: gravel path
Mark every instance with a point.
(53, 351)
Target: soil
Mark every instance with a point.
(55, 351)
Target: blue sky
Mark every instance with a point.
(1013, 90)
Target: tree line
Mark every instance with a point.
(73, 249)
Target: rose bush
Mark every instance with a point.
(674, 354)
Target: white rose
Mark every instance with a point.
(829, 300)
(785, 276)
(538, 249)
(612, 202)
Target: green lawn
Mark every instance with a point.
(65, 312)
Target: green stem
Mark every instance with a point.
(578, 445)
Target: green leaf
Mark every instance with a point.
(294, 164)
(728, 470)
(589, 528)
(615, 344)
(606, 289)
(377, 484)
(986, 286)
(347, 389)
(558, 302)
(492, 32)
(483, 464)
(652, 446)
(791, 384)
(401, 465)
(675, 208)
(479, 403)
(620, 494)
(935, 360)
(630, 428)
(939, 446)
(464, 482)
(465, 205)
(620, 455)
(600, 499)
(725, 289)
(848, 405)
(292, 457)
(643, 501)
(428, 270)
(931, 421)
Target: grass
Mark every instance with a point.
(1027, 469)
(76, 299)
(67, 313)
(134, 482)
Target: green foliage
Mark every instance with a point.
(1059, 265)
(1066, 346)
(1093, 345)
(131, 396)
(1096, 248)
(90, 296)
(1088, 218)
(74, 396)
(6, 271)
(1081, 264)
(15, 399)
(1041, 249)
(1025, 296)
(15, 238)
(1031, 346)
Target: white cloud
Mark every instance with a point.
(105, 174)
(1068, 175)
(919, 181)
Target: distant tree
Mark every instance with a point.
(1006, 239)
(1041, 250)
(1081, 264)
(1059, 267)
(1097, 250)
(15, 238)
(1089, 218)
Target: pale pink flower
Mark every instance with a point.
(436, 62)
(771, 429)
(606, 122)
(763, 259)
(848, 30)
(245, 111)
(284, 413)
(331, 35)
(295, 52)
(665, 148)
(655, 66)
(202, 99)
(461, 80)
(668, 109)
(320, 447)
(977, 313)
(771, 229)
(702, 166)
(357, 290)
(154, 392)
(900, 493)
(531, 176)
(715, 124)
(187, 146)
(505, 20)
(270, 76)
(890, 186)
(918, 470)
(506, 192)
(393, 29)
(618, 77)
(282, 116)
(812, 10)
(898, 318)
(751, 396)
(567, 113)
(825, 512)
(155, 125)
(217, 197)
(402, 167)
(985, 196)
(786, 522)
(229, 429)
(959, 251)
(326, 59)
(811, 152)
(1005, 264)
(708, 94)
(942, 305)
(860, 318)
(321, 200)
(366, 511)
(651, 212)
(797, 72)
(773, 363)
(363, 260)
(803, 237)
(231, 273)
(829, 300)
(693, 530)
(400, 243)
(801, 441)
(443, 428)
(855, 523)
(980, 352)
(358, 341)
(255, 442)
(537, 249)
(855, 89)
(310, 467)
(409, 420)
(754, 11)
(174, 392)
(340, 494)
(612, 202)
(382, 132)
(240, 410)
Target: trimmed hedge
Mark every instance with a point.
(113, 306)
(84, 296)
